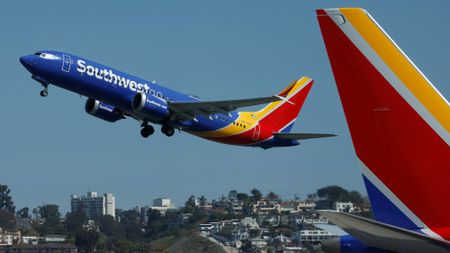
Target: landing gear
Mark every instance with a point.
(44, 84)
(167, 130)
(147, 130)
(44, 92)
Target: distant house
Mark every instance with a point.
(264, 207)
(313, 236)
(346, 207)
(8, 238)
(249, 223)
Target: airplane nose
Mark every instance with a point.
(26, 60)
(332, 245)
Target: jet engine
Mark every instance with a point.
(102, 111)
(151, 107)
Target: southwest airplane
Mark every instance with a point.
(113, 95)
(399, 124)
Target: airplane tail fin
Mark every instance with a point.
(281, 115)
(398, 121)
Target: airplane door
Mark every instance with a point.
(66, 63)
(256, 132)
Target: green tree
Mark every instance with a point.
(242, 197)
(74, 222)
(189, 205)
(202, 201)
(356, 198)
(106, 224)
(232, 195)
(23, 213)
(256, 194)
(86, 240)
(50, 216)
(6, 202)
(272, 196)
(333, 193)
(155, 223)
(130, 226)
(7, 219)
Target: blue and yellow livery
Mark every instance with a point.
(114, 95)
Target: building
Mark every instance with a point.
(344, 207)
(249, 223)
(162, 205)
(9, 238)
(93, 205)
(313, 236)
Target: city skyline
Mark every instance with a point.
(51, 148)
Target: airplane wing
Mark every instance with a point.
(301, 136)
(384, 236)
(189, 110)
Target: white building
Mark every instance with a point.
(8, 238)
(93, 205)
(344, 207)
(313, 235)
(162, 205)
(249, 223)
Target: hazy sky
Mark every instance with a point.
(50, 148)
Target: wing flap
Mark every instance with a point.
(188, 110)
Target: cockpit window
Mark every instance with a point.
(38, 53)
(48, 56)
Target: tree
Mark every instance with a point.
(86, 240)
(74, 222)
(189, 205)
(50, 216)
(23, 213)
(106, 224)
(232, 196)
(256, 194)
(130, 226)
(356, 198)
(272, 196)
(7, 219)
(242, 197)
(333, 193)
(202, 200)
(155, 222)
(6, 202)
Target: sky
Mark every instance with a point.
(50, 148)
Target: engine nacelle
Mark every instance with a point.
(150, 107)
(102, 111)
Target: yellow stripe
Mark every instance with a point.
(399, 64)
(297, 86)
(251, 118)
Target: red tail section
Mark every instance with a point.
(398, 121)
(280, 116)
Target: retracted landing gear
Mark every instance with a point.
(146, 130)
(167, 130)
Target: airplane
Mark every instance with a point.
(399, 124)
(114, 95)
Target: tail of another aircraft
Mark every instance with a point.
(281, 115)
(398, 121)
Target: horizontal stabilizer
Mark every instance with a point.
(384, 236)
(301, 136)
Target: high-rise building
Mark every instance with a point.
(93, 205)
